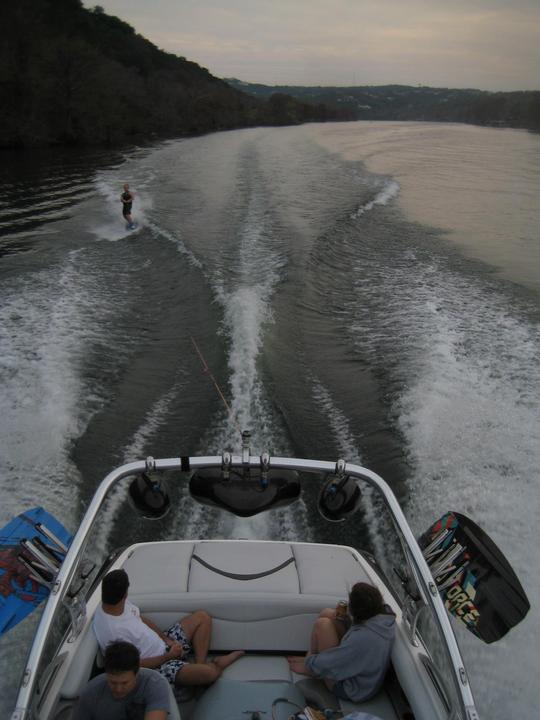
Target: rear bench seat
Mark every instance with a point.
(263, 597)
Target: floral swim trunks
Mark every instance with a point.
(171, 667)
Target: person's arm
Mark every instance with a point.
(158, 700)
(335, 663)
(176, 651)
(84, 710)
(171, 642)
(152, 625)
(156, 715)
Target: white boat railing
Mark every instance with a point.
(67, 571)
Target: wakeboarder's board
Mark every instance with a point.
(133, 226)
(20, 592)
(476, 582)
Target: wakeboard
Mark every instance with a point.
(476, 582)
(23, 576)
(132, 226)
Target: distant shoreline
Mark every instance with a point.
(516, 109)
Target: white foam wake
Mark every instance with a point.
(175, 238)
(471, 418)
(47, 322)
(463, 361)
(348, 451)
(246, 299)
(389, 191)
(135, 449)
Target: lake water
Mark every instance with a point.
(360, 290)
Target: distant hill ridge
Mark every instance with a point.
(403, 102)
(69, 75)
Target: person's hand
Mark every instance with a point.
(176, 651)
(297, 665)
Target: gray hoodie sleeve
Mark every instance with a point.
(339, 662)
(361, 658)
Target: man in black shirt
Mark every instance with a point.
(127, 201)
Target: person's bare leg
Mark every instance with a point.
(197, 674)
(205, 673)
(324, 635)
(223, 661)
(328, 612)
(298, 665)
(341, 626)
(198, 630)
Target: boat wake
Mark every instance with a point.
(245, 295)
(138, 448)
(175, 238)
(347, 447)
(47, 327)
(389, 191)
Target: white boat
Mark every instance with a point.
(263, 595)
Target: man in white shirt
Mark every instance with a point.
(167, 652)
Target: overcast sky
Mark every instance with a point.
(486, 44)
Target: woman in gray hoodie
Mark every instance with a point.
(352, 665)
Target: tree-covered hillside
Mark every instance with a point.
(402, 102)
(69, 75)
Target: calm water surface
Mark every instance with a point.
(362, 290)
